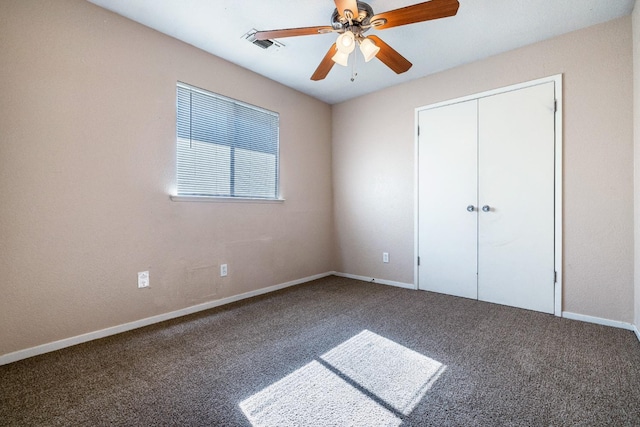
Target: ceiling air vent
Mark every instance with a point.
(264, 44)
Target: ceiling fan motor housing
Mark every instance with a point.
(361, 18)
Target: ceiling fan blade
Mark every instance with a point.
(420, 12)
(390, 57)
(325, 65)
(351, 5)
(291, 32)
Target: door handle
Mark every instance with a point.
(471, 208)
(486, 208)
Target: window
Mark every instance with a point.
(225, 148)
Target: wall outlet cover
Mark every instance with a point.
(143, 279)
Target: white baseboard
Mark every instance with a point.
(599, 321)
(374, 280)
(79, 339)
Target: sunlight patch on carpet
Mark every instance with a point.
(397, 375)
(367, 380)
(314, 396)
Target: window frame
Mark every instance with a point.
(185, 197)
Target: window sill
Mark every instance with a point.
(209, 199)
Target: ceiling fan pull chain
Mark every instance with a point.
(354, 73)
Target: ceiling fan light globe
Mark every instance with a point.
(346, 42)
(341, 58)
(369, 49)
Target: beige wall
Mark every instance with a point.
(373, 170)
(87, 161)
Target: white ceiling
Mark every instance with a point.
(480, 29)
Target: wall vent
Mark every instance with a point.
(264, 44)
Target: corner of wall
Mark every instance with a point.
(636, 148)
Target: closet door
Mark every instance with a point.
(447, 186)
(516, 184)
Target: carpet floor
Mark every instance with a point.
(338, 352)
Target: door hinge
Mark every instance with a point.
(418, 130)
(418, 261)
(555, 277)
(555, 105)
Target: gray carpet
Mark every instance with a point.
(338, 352)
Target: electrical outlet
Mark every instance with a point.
(385, 256)
(223, 270)
(143, 279)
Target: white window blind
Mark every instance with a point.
(225, 148)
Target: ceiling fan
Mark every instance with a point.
(352, 18)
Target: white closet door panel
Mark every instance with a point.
(516, 180)
(447, 183)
